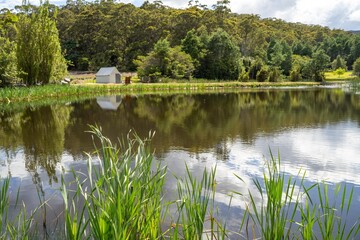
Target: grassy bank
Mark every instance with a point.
(333, 76)
(123, 198)
(29, 94)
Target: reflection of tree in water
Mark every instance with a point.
(166, 112)
(43, 131)
(222, 151)
(10, 133)
(199, 122)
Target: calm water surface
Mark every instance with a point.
(316, 130)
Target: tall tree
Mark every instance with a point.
(39, 53)
(8, 69)
(222, 11)
(320, 61)
(356, 67)
(222, 58)
(354, 49)
(193, 45)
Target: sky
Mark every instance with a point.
(343, 14)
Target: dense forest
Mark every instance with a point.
(155, 40)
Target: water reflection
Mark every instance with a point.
(37, 136)
(109, 102)
(197, 124)
(314, 129)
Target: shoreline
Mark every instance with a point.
(47, 92)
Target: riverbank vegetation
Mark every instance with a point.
(58, 92)
(124, 197)
(158, 41)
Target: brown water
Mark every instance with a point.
(316, 130)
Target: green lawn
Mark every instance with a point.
(332, 76)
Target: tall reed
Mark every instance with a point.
(288, 209)
(124, 196)
(274, 218)
(195, 204)
(19, 227)
(4, 205)
(333, 213)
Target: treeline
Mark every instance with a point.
(199, 41)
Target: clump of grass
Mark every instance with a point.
(195, 204)
(274, 218)
(4, 204)
(288, 209)
(332, 217)
(19, 227)
(124, 196)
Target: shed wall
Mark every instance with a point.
(103, 79)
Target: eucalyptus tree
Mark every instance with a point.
(222, 11)
(251, 35)
(182, 21)
(39, 53)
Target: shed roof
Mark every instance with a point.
(106, 71)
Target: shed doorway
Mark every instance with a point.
(117, 78)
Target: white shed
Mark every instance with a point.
(108, 75)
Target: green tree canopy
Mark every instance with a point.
(39, 53)
(8, 68)
(222, 58)
(339, 62)
(320, 61)
(356, 67)
(165, 61)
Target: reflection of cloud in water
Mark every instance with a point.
(329, 153)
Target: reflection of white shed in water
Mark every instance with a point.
(109, 102)
(108, 75)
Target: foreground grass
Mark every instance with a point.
(40, 93)
(123, 198)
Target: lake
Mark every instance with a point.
(316, 130)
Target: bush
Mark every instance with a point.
(274, 75)
(83, 64)
(263, 74)
(295, 75)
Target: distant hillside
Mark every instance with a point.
(355, 31)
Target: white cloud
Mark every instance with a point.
(355, 16)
